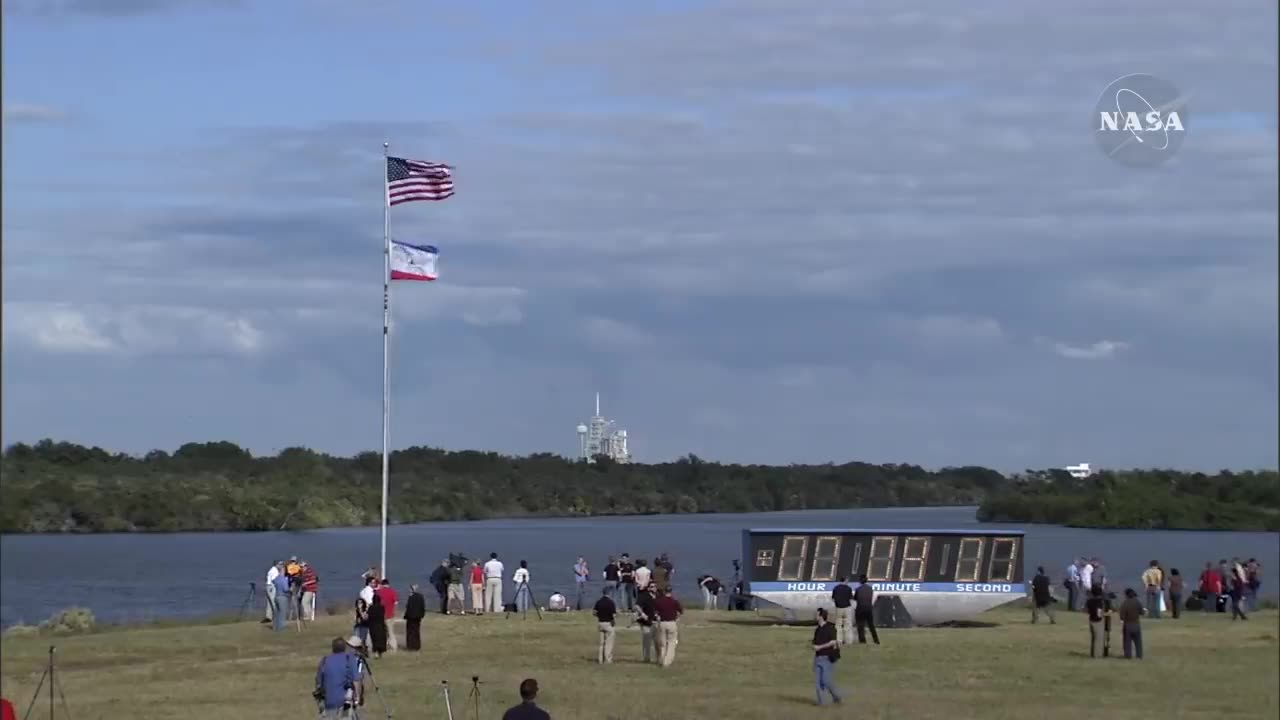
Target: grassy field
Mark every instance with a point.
(729, 665)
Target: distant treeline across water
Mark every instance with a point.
(64, 487)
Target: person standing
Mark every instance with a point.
(1099, 573)
(1072, 583)
(440, 581)
(389, 600)
(1098, 608)
(270, 589)
(281, 615)
(1131, 612)
(1153, 580)
(521, 580)
(378, 626)
(610, 575)
(360, 625)
(527, 710)
(669, 612)
(646, 617)
(1253, 581)
(1042, 599)
(457, 598)
(1175, 593)
(1210, 587)
(605, 610)
(864, 611)
(826, 651)
(477, 588)
(335, 678)
(627, 580)
(703, 584)
(1086, 578)
(842, 598)
(1237, 594)
(643, 575)
(415, 609)
(581, 573)
(310, 585)
(661, 576)
(493, 570)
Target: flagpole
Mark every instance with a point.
(386, 345)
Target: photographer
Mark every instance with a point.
(335, 678)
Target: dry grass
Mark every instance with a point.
(729, 665)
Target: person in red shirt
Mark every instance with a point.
(477, 587)
(310, 584)
(388, 596)
(6, 710)
(1210, 587)
(669, 611)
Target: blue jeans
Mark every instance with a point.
(1153, 604)
(611, 588)
(522, 598)
(582, 594)
(282, 604)
(822, 678)
(629, 595)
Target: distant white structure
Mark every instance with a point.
(599, 437)
(1079, 471)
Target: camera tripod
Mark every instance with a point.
(53, 683)
(532, 601)
(473, 697)
(248, 600)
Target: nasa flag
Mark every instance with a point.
(413, 262)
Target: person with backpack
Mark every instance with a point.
(826, 651)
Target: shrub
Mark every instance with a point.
(70, 620)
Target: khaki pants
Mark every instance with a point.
(646, 643)
(271, 601)
(605, 652)
(669, 632)
(308, 606)
(477, 597)
(456, 593)
(392, 644)
(493, 594)
(844, 625)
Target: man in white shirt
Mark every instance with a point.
(1086, 578)
(643, 574)
(272, 572)
(493, 583)
(366, 592)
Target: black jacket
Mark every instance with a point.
(1040, 590)
(440, 578)
(842, 596)
(416, 608)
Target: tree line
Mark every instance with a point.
(1141, 499)
(64, 487)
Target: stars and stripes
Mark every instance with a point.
(409, 180)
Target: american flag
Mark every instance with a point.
(409, 180)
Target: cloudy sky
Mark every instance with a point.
(765, 230)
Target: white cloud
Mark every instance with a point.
(611, 335)
(129, 329)
(19, 112)
(1100, 350)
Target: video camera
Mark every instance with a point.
(457, 560)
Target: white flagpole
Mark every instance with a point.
(386, 344)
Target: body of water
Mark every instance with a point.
(143, 577)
